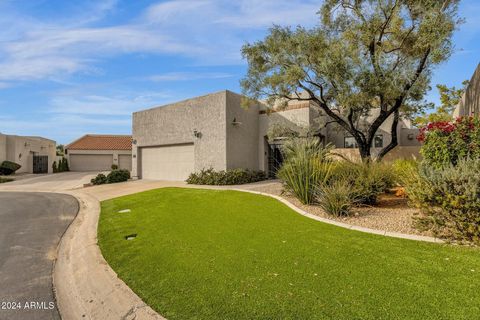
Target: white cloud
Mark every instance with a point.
(209, 32)
(117, 105)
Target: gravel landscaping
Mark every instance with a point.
(391, 213)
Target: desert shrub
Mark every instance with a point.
(336, 198)
(449, 199)
(118, 176)
(447, 142)
(4, 180)
(228, 177)
(8, 167)
(403, 170)
(99, 179)
(367, 180)
(310, 147)
(302, 175)
(114, 167)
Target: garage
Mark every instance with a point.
(94, 152)
(174, 163)
(125, 161)
(91, 162)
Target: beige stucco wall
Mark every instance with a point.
(470, 102)
(3, 147)
(400, 152)
(175, 124)
(242, 138)
(115, 153)
(21, 150)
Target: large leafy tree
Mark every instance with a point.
(363, 55)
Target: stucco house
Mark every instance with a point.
(214, 131)
(470, 103)
(34, 154)
(94, 152)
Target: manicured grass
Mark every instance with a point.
(208, 254)
(3, 180)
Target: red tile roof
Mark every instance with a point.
(101, 142)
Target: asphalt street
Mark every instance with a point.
(31, 225)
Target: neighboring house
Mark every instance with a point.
(34, 154)
(214, 131)
(94, 152)
(470, 103)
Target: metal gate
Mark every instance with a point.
(40, 164)
(275, 159)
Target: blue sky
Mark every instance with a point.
(68, 68)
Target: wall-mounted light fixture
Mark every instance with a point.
(235, 122)
(134, 141)
(19, 156)
(196, 133)
(410, 136)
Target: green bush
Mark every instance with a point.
(114, 167)
(367, 180)
(447, 142)
(336, 198)
(4, 180)
(99, 179)
(403, 170)
(54, 167)
(305, 168)
(229, 177)
(118, 176)
(449, 199)
(8, 167)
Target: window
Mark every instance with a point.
(350, 142)
(378, 142)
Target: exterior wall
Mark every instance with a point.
(470, 103)
(115, 153)
(400, 152)
(294, 119)
(405, 132)
(3, 147)
(175, 124)
(242, 138)
(22, 149)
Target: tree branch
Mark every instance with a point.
(393, 132)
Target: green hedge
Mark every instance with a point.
(229, 177)
(8, 167)
(114, 176)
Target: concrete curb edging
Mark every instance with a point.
(86, 286)
(346, 225)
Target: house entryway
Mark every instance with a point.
(275, 159)
(40, 164)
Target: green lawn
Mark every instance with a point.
(205, 254)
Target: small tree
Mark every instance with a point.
(449, 99)
(363, 55)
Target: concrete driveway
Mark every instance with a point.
(31, 225)
(49, 182)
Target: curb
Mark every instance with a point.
(346, 225)
(86, 286)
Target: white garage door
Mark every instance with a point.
(91, 162)
(167, 163)
(125, 161)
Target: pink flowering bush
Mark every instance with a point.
(446, 142)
